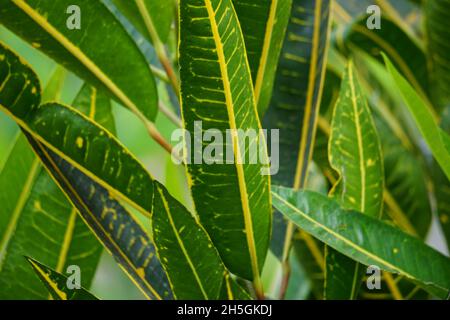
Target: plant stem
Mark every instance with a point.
(170, 115)
(257, 285)
(158, 45)
(160, 74)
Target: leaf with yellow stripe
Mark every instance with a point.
(56, 283)
(72, 135)
(263, 24)
(296, 99)
(366, 239)
(232, 199)
(185, 250)
(36, 219)
(44, 24)
(355, 154)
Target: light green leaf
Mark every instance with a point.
(185, 250)
(56, 283)
(424, 119)
(160, 11)
(365, 239)
(43, 24)
(232, 200)
(263, 24)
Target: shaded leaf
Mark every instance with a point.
(263, 24)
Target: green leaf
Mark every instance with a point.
(232, 201)
(185, 250)
(437, 17)
(297, 97)
(263, 24)
(406, 55)
(231, 290)
(37, 220)
(43, 24)
(117, 229)
(75, 138)
(160, 11)
(423, 117)
(355, 154)
(365, 239)
(56, 283)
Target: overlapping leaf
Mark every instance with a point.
(437, 14)
(263, 24)
(44, 25)
(38, 220)
(232, 200)
(355, 154)
(358, 236)
(56, 283)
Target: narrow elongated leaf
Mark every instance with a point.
(297, 97)
(84, 144)
(45, 25)
(423, 118)
(232, 200)
(263, 24)
(437, 17)
(56, 283)
(118, 231)
(406, 55)
(184, 248)
(160, 11)
(355, 154)
(38, 221)
(365, 239)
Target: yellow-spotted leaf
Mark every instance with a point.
(366, 239)
(185, 250)
(230, 186)
(355, 154)
(263, 24)
(160, 12)
(108, 58)
(57, 284)
(72, 135)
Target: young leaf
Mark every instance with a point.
(184, 248)
(117, 65)
(355, 154)
(263, 24)
(297, 96)
(56, 283)
(232, 200)
(160, 11)
(365, 239)
(424, 119)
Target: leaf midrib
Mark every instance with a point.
(240, 170)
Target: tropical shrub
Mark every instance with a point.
(313, 148)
